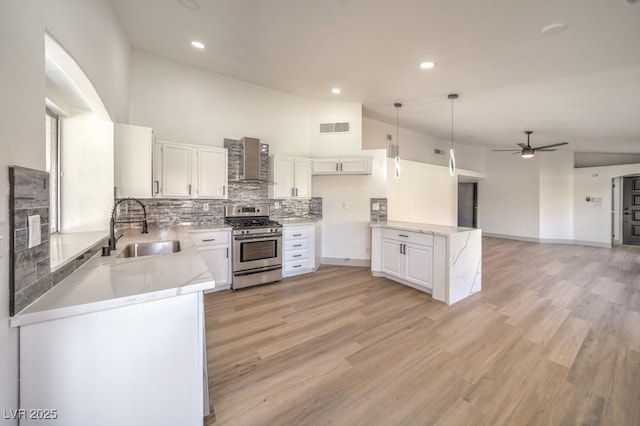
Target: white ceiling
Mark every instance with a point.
(580, 86)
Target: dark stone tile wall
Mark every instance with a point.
(381, 214)
(30, 272)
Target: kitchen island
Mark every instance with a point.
(445, 261)
(120, 340)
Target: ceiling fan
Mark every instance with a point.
(529, 151)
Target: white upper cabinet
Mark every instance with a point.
(190, 171)
(342, 166)
(211, 172)
(290, 177)
(175, 166)
(133, 161)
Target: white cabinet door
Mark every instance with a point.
(302, 178)
(284, 169)
(325, 166)
(217, 260)
(291, 177)
(176, 170)
(211, 172)
(392, 258)
(418, 264)
(133, 161)
(355, 166)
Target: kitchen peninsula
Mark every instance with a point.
(445, 261)
(121, 332)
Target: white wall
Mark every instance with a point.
(86, 184)
(90, 32)
(190, 105)
(556, 195)
(424, 193)
(21, 144)
(509, 196)
(420, 147)
(593, 221)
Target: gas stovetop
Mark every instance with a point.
(251, 222)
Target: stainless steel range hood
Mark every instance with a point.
(251, 161)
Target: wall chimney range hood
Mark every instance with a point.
(251, 161)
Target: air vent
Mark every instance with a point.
(334, 127)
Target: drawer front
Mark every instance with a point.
(210, 237)
(293, 267)
(295, 255)
(296, 245)
(413, 237)
(296, 233)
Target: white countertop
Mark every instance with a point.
(297, 220)
(425, 228)
(66, 247)
(109, 282)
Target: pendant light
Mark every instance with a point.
(397, 168)
(452, 157)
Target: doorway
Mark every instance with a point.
(468, 204)
(631, 210)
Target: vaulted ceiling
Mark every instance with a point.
(580, 85)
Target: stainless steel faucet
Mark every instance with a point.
(112, 223)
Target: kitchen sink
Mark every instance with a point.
(150, 248)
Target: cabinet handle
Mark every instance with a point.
(227, 252)
(297, 255)
(224, 190)
(297, 245)
(340, 166)
(402, 235)
(156, 183)
(208, 239)
(401, 249)
(296, 192)
(292, 192)
(189, 189)
(297, 266)
(297, 235)
(337, 167)
(405, 249)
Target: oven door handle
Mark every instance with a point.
(271, 236)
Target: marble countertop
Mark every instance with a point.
(66, 247)
(297, 220)
(425, 228)
(106, 282)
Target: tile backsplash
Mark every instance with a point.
(381, 213)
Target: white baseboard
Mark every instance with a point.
(346, 262)
(548, 240)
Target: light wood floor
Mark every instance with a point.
(552, 339)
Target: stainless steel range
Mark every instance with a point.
(257, 245)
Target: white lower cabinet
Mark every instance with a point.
(408, 256)
(215, 248)
(139, 364)
(298, 249)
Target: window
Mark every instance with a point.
(53, 159)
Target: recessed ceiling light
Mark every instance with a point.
(336, 90)
(189, 4)
(427, 65)
(554, 29)
(197, 44)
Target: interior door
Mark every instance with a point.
(631, 211)
(467, 204)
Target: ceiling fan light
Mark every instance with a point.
(527, 153)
